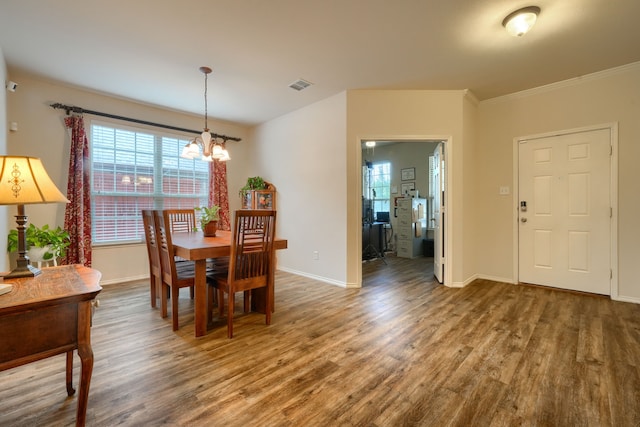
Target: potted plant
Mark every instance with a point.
(209, 217)
(253, 183)
(43, 243)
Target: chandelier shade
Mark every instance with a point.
(206, 146)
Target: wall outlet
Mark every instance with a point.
(316, 255)
(504, 191)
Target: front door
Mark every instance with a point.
(565, 211)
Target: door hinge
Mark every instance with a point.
(610, 274)
(610, 212)
(611, 150)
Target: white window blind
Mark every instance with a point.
(135, 169)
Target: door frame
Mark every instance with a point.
(613, 191)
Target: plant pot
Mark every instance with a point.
(209, 230)
(36, 254)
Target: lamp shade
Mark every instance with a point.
(23, 181)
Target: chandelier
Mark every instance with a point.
(211, 148)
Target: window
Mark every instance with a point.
(134, 169)
(376, 191)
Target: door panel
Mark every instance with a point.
(564, 218)
(438, 214)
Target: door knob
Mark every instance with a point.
(523, 219)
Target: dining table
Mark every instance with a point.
(196, 247)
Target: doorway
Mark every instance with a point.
(565, 221)
(410, 171)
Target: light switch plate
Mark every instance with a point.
(504, 191)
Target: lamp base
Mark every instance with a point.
(23, 271)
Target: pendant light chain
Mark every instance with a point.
(206, 127)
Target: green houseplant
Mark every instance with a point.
(209, 216)
(52, 241)
(253, 183)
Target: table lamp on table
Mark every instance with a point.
(24, 181)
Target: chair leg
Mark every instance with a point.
(268, 304)
(164, 296)
(174, 307)
(220, 302)
(247, 301)
(230, 305)
(153, 288)
(211, 292)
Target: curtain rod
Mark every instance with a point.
(80, 110)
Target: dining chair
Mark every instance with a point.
(173, 278)
(181, 220)
(250, 263)
(153, 253)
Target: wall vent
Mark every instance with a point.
(300, 84)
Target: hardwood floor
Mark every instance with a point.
(402, 350)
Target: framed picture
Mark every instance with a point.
(408, 186)
(407, 175)
(264, 199)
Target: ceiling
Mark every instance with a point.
(150, 51)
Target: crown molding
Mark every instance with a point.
(598, 75)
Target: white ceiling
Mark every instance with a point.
(150, 50)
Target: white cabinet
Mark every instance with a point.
(411, 227)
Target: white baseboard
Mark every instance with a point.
(313, 276)
(124, 280)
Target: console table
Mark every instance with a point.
(47, 315)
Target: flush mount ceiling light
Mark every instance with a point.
(211, 149)
(521, 21)
(370, 144)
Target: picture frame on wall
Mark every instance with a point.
(407, 187)
(407, 174)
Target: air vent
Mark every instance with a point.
(300, 84)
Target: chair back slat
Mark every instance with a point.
(252, 248)
(152, 244)
(165, 245)
(181, 220)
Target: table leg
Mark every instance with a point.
(201, 297)
(70, 389)
(86, 358)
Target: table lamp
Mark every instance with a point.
(24, 181)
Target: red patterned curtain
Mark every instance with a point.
(77, 216)
(219, 192)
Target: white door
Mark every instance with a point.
(565, 211)
(438, 213)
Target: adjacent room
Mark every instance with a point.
(360, 212)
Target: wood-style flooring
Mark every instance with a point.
(400, 351)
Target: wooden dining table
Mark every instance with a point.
(196, 247)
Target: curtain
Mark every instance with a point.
(77, 215)
(219, 192)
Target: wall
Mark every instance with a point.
(42, 134)
(607, 97)
(4, 210)
(406, 114)
(302, 154)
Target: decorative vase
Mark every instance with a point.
(36, 254)
(210, 229)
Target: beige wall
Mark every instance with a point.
(4, 210)
(612, 96)
(302, 154)
(42, 134)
